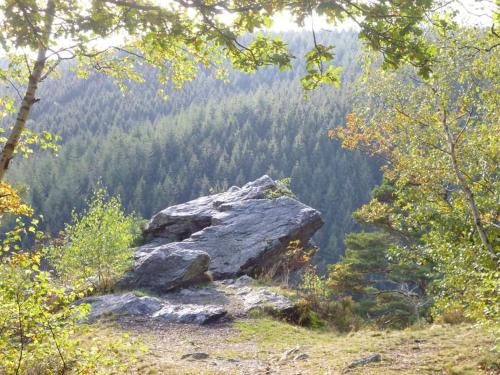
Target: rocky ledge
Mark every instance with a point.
(219, 241)
(218, 301)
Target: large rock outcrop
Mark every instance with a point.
(239, 233)
(241, 230)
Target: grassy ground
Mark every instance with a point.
(256, 346)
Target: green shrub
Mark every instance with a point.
(37, 318)
(40, 326)
(95, 249)
(490, 361)
(304, 315)
(454, 314)
(340, 314)
(296, 257)
(282, 189)
(386, 290)
(317, 306)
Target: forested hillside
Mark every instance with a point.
(113, 110)
(206, 137)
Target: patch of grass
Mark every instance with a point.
(270, 333)
(457, 349)
(283, 290)
(490, 361)
(255, 344)
(126, 348)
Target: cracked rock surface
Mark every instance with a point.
(229, 234)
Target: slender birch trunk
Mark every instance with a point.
(469, 195)
(29, 97)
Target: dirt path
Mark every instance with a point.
(259, 346)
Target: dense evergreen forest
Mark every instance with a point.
(206, 137)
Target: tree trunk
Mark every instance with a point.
(29, 96)
(469, 195)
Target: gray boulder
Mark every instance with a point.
(130, 305)
(366, 360)
(195, 356)
(262, 299)
(241, 230)
(190, 313)
(166, 267)
(127, 304)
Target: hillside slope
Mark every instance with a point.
(206, 137)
